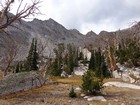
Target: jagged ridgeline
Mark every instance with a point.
(52, 33)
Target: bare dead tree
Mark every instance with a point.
(111, 51)
(21, 13)
(11, 48)
(45, 60)
(41, 47)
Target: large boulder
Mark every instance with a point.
(20, 81)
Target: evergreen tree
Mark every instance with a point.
(55, 71)
(66, 58)
(129, 52)
(81, 56)
(31, 61)
(91, 85)
(21, 67)
(98, 56)
(98, 65)
(92, 61)
(70, 59)
(122, 54)
(35, 57)
(133, 51)
(72, 94)
(17, 68)
(105, 72)
(76, 58)
(58, 61)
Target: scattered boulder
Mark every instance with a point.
(122, 104)
(96, 98)
(103, 92)
(116, 74)
(116, 100)
(78, 88)
(69, 76)
(87, 97)
(64, 74)
(82, 95)
(69, 101)
(109, 104)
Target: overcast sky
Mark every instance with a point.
(96, 15)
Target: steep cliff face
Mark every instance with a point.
(48, 31)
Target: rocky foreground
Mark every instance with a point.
(26, 89)
(56, 93)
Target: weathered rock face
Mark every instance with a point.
(131, 75)
(20, 81)
(1, 75)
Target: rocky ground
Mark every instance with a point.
(56, 93)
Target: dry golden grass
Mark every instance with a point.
(112, 80)
(42, 89)
(74, 80)
(77, 80)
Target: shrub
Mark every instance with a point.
(72, 94)
(91, 85)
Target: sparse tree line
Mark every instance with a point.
(103, 63)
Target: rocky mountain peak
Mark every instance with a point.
(74, 30)
(91, 33)
(103, 32)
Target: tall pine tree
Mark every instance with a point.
(98, 65)
(31, 61)
(35, 57)
(92, 61)
(17, 68)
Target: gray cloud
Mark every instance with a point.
(95, 15)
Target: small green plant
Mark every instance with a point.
(72, 94)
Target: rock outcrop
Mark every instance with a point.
(20, 81)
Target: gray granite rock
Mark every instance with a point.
(20, 81)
